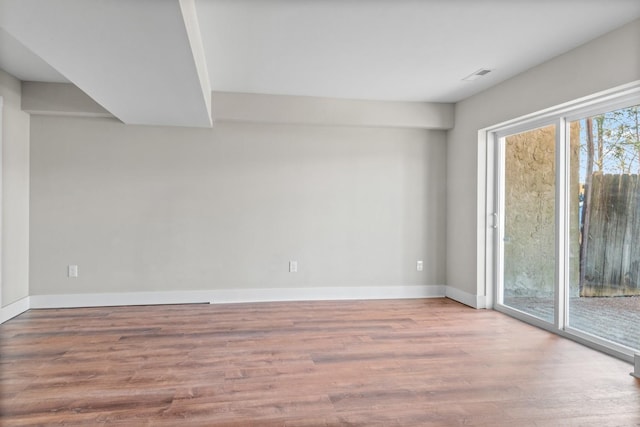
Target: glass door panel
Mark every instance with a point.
(604, 285)
(528, 234)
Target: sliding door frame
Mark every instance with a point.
(491, 208)
(1, 198)
(499, 142)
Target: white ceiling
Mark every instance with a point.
(18, 60)
(406, 50)
(143, 60)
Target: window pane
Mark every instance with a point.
(604, 288)
(529, 222)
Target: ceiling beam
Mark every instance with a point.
(140, 60)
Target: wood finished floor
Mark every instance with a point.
(364, 363)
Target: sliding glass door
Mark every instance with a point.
(604, 281)
(567, 224)
(528, 229)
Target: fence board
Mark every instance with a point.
(612, 258)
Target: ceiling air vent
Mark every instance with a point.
(476, 75)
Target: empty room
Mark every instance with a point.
(320, 212)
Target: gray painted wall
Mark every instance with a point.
(604, 63)
(143, 208)
(15, 193)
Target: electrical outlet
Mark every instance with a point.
(419, 265)
(293, 266)
(72, 271)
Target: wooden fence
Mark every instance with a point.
(612, 255)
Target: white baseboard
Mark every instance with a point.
(221, 296)
(124, 298)
(14, 309)
(236, 296)
(475, 301)
(327, 293)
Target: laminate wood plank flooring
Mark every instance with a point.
(424, 362)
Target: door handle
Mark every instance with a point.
(495, 220)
